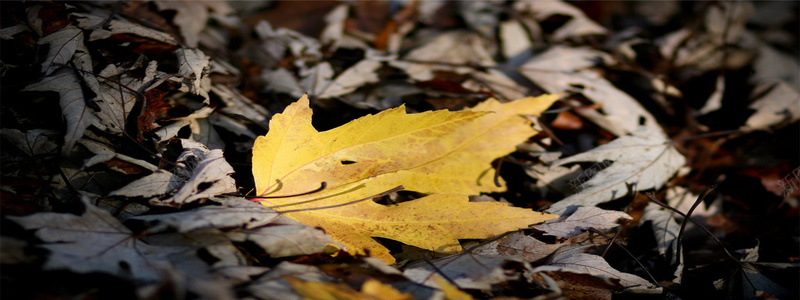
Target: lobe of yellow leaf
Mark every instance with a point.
(450, 291)
(444, 153)
(383, 291)
(370, 290)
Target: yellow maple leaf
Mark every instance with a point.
(371, 290)
(443, 153)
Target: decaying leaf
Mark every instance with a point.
(518, 245)
(644, 158)
(232, 213)
(581, 219)
(570, 259)
(63, 44)
(88, 21)
(33, 142)
(780, 105)
(285, 237)
(274, 284)
(664, 227)
(578, 25)
(97, 242)
(73, 103)
(470, 271)
(444, 153)
(370, 290)
(200, 173)
(562, 69)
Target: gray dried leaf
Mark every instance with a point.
(566, 69)
(272, 285)
(518, 245)
(645, 158)
(63, 44)
(780, 105)
(471, 271)
(97, 242)
(88, 21)
(286, 238)
(232, 213)
(73, 104)
(567, 259)
(33, 142)
(583, 218)
(199, 173)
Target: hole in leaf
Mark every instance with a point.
(206, 256)
(125, 266)
(347, 162)
(203, 186)
(577, 86)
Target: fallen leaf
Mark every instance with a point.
(73, 103)
(518, 245)
(645, 158)
(459, 52)
(92, 22)
(780, 105)
(562, 69)
(274, 284)
(714, 101)
(450, 291)
(444, 153)
(199, 173)
(579, 286)
(381, 290)
(285, 237)
(370, 290)
(190, 17)
(9, 32)
(470, 271)
(193, 65)
(583, 218)
(665, 228)
(362, 73)
(281, 80)
(33, 142)
(97, 242)
(773, 65)
(63, 44)
(232, 213)
(569, 259)
(514, 38)
(316, 79)
(324, 290)
(578, 25)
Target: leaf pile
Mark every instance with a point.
(158, 149)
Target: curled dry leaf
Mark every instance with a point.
(447, 154)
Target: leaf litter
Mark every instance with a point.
(128, 149)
